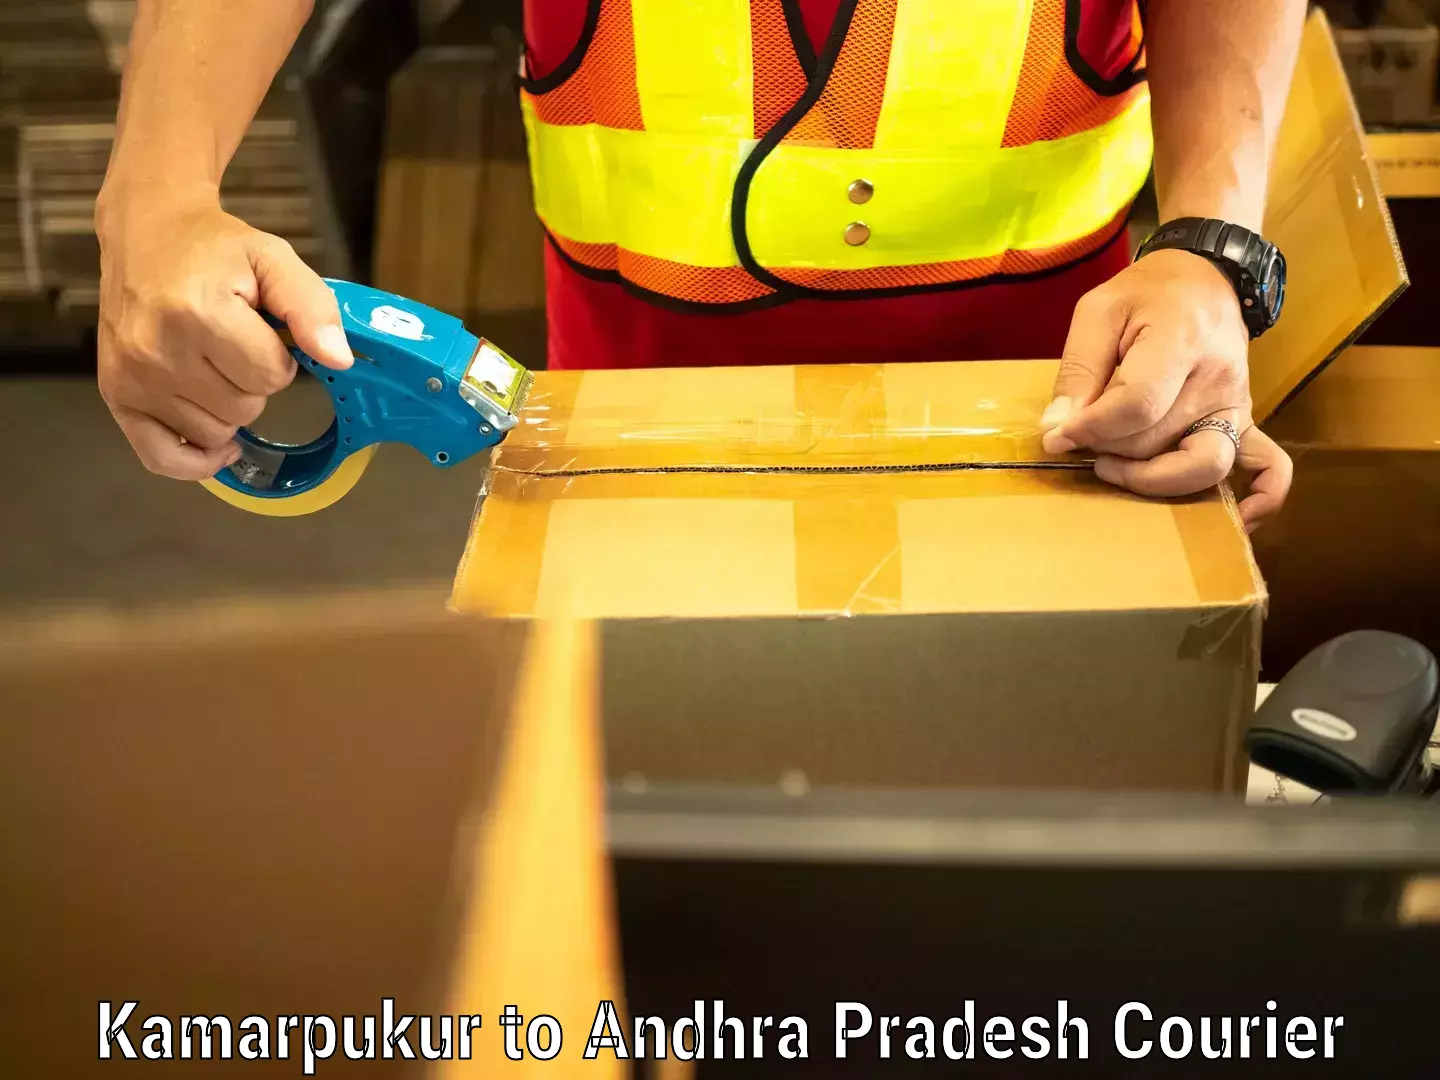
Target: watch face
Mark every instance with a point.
(1272, 285)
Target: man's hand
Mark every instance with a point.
(1158, 347)
(184, 357)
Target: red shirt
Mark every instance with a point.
(597, 324)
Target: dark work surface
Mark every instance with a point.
(780, 939)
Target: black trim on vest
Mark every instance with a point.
(571, 63)
(824, 67)
(799, 36)
(1128, 76)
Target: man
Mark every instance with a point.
(769, 181)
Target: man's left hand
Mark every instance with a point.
(1156, 348)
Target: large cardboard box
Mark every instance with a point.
(875, 575)
(1358, 544)
(277, 815)
(297, 808)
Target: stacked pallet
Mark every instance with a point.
(456, 225)
(52, 67)
(62, 165)
(15, 276)
(59, 87)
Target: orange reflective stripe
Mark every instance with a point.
(595, 256)
(951, 273)
(697, 284)
(1051, 101)
(779, 80)
(604, 89)
(849, 107)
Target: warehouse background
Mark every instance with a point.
(390, 150)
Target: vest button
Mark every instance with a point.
(861, 190)
(856, 233)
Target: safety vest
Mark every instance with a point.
(695, 152)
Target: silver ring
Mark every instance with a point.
(1215, 423)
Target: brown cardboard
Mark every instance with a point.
(1358, 543)
(297, 807)
(801, 572)
(874, 574)
(1326, 214)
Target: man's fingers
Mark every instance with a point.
(1141, 394)
(206, 386)
(1272, 472)
(198, 427)
(244, 348)
(1198, 399)
(1201, 462)
(163, 452)
(294, 293)
(1091, 351)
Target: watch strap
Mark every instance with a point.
(1239, 253)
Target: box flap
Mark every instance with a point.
(1326, 213)
(1373, 397)
(229, 796)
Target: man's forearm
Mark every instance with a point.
(196, 73)
(1219, 75)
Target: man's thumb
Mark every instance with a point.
(1085, 368)
(296, 295)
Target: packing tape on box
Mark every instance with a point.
(837, 418)
(783, 509)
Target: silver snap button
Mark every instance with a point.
(861, 190)
(856, 233)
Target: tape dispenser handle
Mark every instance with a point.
(268, 469)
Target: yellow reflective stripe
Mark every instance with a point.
(930, 208)
(690, 90)
(652, 193)
(570, 177)
(953, 71)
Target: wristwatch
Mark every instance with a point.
(1255, 267)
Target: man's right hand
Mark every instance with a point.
(184, 358)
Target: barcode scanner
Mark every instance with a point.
(1355, 716)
